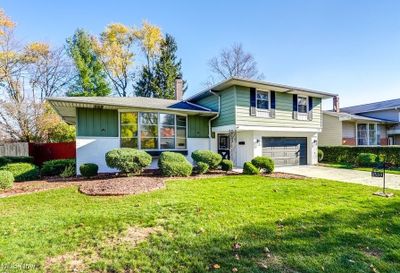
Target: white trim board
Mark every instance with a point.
(265, 129)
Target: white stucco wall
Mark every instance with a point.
(194, 144)
(93, 150)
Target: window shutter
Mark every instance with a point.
(273, 104)
(252, 101)
(310, 108)
(294, 106)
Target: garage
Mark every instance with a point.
(285, 151)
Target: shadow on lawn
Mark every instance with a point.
(341, 241)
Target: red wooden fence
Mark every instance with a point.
(42, 152)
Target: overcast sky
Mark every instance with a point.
(346, 47)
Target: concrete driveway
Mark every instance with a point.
(343, 175)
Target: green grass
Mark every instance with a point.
(307, 225)
(365, 169)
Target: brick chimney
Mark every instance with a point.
(336, 105)
(178, 89)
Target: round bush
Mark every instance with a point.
(226, 165)
(6, 180)
(57, 166)
(250, 169)
(320, 155)
(128, 160)
(202, 168)
(88, 169)
(366, 159)
(263, 163)
(210, 158)
(22, 171)
(174, 164)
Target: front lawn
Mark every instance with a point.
(351, 167)
(243, 223)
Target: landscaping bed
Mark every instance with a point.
(122, 185)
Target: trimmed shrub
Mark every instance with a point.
(174, 164)
(128, 160)
(4, 160)
(201, 168)
(366, 160)
(263, 163)
(56, 167)
(88, 169)
(212, 159)
(22, 171)
(320, 155)
(226, 165)
(250, 169)
(348, 155)
(6, 180)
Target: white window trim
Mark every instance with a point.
(269, 100)
(158, 128)
(307, 107)
(376, 134)
(263, 113)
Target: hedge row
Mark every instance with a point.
(344, 154)
(4, 160)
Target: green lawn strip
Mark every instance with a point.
(281, 225)
(349, 166)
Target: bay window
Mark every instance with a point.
(152, 131)
(367, 134)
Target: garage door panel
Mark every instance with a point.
(285, 151)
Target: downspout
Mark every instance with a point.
(213, 118)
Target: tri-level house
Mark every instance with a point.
(373, 124)
(238, 118)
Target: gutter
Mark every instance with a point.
(213, 118)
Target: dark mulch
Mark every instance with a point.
(122, 185)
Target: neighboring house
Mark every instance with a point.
(371, 124)
(238, 118)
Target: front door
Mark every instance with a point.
(223, 146)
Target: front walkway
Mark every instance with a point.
(343, 175)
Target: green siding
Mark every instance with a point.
(97, 122)
(198, 127)
(228, 102)
(283, 112)
(210, 102)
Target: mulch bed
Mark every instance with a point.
(111, 184)
(122, 185)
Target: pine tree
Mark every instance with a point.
(91, 77)
(158, 80)
(167, 69)
(143, 86)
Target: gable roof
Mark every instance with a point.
(352, 117)
(66, 106)
(260, 84)
(372, 107)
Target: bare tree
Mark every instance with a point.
(23, 69)
(49, 70)
(233, 62)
